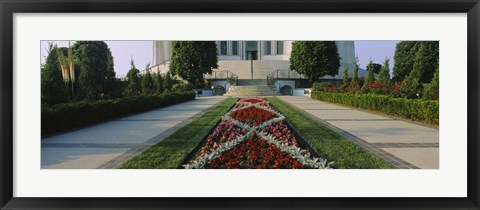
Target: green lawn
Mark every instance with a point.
(326, 142)
(171, 152)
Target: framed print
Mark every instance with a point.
(239, 105)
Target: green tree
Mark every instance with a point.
(192, 59)
(430, 60)
(355, 79)
(315, 59)
(345, 81)
(411, 85)
(133, 87)
(167, 81)
(93, 59)
(370, 78)
(147, 81)
(68, 71)
(158, 82)
(431, 89)
(53, 89)
(376, 68)
(384, 75)
(405, 53)
(110, 83)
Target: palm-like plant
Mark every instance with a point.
(67, 66)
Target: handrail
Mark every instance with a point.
(231, 78)
(283, 74)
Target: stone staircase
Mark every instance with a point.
(261, 68)
(257, 86)
(251, 90)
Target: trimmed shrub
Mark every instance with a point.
(63, 117)
(413, 109)
(431, 89)
(320, 86)
(182, 87)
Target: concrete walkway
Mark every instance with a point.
(108, 144)
(402, 143)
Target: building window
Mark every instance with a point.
(268, 48)
(279, 47)
(223, 48)
(234, 48)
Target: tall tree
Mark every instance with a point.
(315, 59)
(158, 82)
(376, 67)
(92, 58)
(431, 89)
(411, 85)
(167, 81)
(384, 75)
(67, 66)
(370, 78)
(110, 83)
(134, 86)
(52, 86)
(355, 79)
(147, 81)
(192, 59)
(405, 53)
(430, 60)
(345, 81)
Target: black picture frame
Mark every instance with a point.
(10, 7)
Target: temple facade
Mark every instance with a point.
(235, 56)
(257, 63)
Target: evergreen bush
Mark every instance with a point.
(67, 116)
(413, 109)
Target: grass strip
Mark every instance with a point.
(327, 142)
(170, 152)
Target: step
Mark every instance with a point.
(250, 94)
(252, 90)
(243, 82)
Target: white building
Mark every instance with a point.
(255, 60)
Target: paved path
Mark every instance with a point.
(108, 144)
(402, 143)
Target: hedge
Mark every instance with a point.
(73, 115)
(413, 109)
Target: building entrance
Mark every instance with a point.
(251, 50)
(252, 55)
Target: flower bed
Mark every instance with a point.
(253, 135)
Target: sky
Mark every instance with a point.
(377, 51)
(141, 52)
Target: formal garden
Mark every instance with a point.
(80, 88)
(254, 133)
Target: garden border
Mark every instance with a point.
(299, 138)
(420, 123)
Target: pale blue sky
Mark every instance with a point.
(141, 52)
